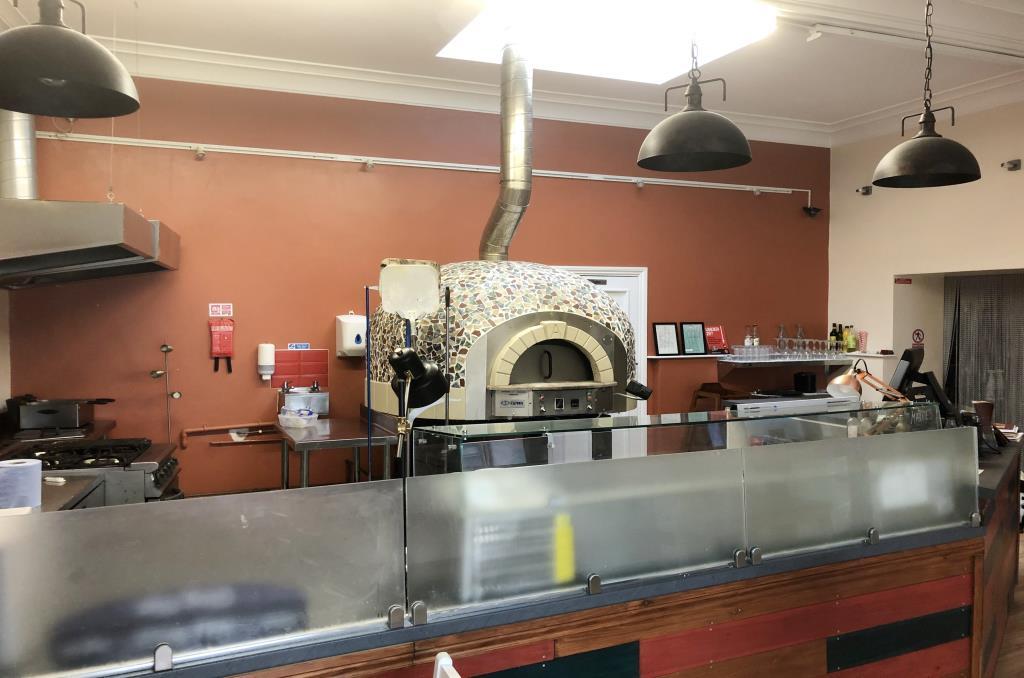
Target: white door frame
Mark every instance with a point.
(640, 273)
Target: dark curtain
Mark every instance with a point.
(983, 353)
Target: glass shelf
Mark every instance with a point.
(494, 430)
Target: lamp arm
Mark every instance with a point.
(880, 386)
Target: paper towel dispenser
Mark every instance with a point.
(350, 335)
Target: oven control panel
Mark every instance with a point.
(512, 402)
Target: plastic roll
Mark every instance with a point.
(21, 483)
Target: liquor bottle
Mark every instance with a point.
(755, 337)
(748, 340)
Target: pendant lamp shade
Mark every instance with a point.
(928, 159)
(52, 70)
(694, 140)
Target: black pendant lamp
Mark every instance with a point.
(694, 140)
(928, 159)
(51, 69)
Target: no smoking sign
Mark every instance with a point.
(918, 338)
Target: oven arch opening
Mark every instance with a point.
(551, 361)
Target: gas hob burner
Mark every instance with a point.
(60, 455)
(103, 461)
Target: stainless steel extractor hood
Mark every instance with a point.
(45, 242)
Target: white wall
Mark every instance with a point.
(971, 227)
(5, 349)
(919, 306)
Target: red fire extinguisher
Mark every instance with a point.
(222, 342)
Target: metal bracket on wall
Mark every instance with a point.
(1011, 165)
(396, 617)
(975, 519)
(866, 190)
(418, 613)
(872, 537)
(163, 657)
(593, 584)
(739, 558)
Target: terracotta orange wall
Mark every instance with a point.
(292, 242)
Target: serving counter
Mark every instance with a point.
(619, 546)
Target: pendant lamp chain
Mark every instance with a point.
(928, 32)
(694, 73)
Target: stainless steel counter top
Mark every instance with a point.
(61, 497)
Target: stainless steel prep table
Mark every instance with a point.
(333, 434)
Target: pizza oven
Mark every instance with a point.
(525, 340)
(522, 340)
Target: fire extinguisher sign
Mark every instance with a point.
(917, 337)
(222, 310)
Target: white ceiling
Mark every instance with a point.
(830, 90)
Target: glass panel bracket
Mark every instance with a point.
(872, 537)
(743, 557)
(975, 519)
(593, 584)
(418, 613)
(396, 617)
(163, 658)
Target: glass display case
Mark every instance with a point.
(469, 447)
(669, 494)
(649, 500)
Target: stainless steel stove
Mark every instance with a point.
(134, 469)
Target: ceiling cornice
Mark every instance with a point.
(171, 62)
(973, 97)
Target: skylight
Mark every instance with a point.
(638, 40)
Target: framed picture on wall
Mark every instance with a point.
(694, 339)
(666, 339)
(715, 335)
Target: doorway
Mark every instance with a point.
(628, 287)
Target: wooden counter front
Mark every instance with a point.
(897, 614)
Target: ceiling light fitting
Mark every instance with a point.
(928, 159)
(52, 70)
(694, 139)
(1011, 165)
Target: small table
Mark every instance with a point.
(333, 434)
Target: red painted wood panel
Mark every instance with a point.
(663, 655)
(941, 660)
(488, 662)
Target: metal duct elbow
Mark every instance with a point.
(17, 156)
(516, 155)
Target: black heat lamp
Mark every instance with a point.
(417, 384)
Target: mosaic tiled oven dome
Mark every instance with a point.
(491, 301)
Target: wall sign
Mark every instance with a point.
(918, 338)
(904, 281)
(298, 346)
(222, 310)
